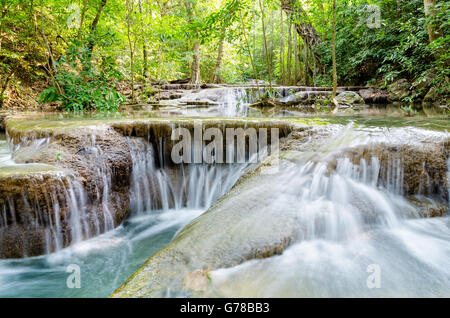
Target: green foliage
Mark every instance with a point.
(79, 84)
(166, 30)
(399, 48)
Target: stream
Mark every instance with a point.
(337, 243)
(105, 261)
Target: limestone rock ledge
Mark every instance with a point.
(65, 188)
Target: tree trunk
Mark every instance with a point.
(144, 45)
(335, 79)
(265, 45)
(314, 72)
(3, 88)
(255, 73)
(253, 32)
(83, 14)
(195, 68)
(306, 65)
(289, 53)
(271, 37)
(433, 34)
(2, 17)
(94, 26)
(44, 37)
(303, 27)
(216, 78)
(133, 97)
(97, 16)
(295, 60)
(299, 57)
(131, 43)
(282, 74)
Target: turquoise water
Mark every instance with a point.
(105, 262)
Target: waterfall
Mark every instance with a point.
(351, 218)
(53, 208)
(193, 186)
(41, 208)
(234, 102)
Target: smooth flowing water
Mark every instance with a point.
(5, 152)
(356, 237)
(105, 262)
(159, 208)
(351, 226)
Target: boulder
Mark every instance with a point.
(435, 102)
(349, 99)
(399, 90)
(373, 95)
(432, 96)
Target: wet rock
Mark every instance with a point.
(435, 101)
(30, 195)
(99, 164)
(429, 208)
(2, 122)
(349, 99)
(399, 90)
(412, 169)
(197, 280)
(433, 95)
(373, 95)
(245, 232)
(305, 97)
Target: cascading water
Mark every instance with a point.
(55, 203)
(162, 201)
(193, 186)
(5, 153)
(358, 234)
(352, 215)
(224, 101)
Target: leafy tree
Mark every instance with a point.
(82, 85)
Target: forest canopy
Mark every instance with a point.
(82, 50)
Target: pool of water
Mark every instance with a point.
(105, 262)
